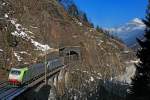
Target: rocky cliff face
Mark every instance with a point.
(28, 28)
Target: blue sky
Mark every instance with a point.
(112, 13)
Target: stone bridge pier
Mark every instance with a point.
(58, 82)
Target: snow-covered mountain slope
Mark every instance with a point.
(130, 31)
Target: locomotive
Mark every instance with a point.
(24, 75)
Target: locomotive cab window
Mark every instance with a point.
(15, 72)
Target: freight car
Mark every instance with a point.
(20, 76)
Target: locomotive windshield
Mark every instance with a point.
(15, 72)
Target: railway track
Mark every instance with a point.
(8, 92)
(13, 93)
(4, 89)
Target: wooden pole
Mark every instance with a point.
(45, 68)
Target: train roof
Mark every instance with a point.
(37, 65)
(19, 69)
(21, 66)
(15, 68)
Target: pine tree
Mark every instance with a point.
(99, 29)
(85, 19)
(73, 10)
(140, 86)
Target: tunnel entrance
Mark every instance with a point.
(70, 53)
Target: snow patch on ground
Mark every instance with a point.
(91, 79)
(19, 32)
(78, 22)
(24, 52)
(85, 71)
(1, 50)
(99, 41)
(3, 3)
(22, 32)
(40, 46)
(126, 51)
(6, 15)
(17, 56)
(99, 74)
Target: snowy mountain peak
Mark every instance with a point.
(129, 26)
(129, 31)
(137, 20)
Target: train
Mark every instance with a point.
(25, 74)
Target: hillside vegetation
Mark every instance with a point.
(28, 28)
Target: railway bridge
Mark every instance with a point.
(8, 92)
(56, 78)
